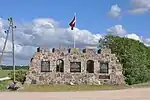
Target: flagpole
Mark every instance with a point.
(88, 39)
(74, 35)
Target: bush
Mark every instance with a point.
(20, 75)
(133, 55)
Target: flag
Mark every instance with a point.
(72, 23)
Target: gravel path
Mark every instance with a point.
(127, 94)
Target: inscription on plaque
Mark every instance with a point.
(45, 66)
(103, 67)
(75, 67)
(104, 77)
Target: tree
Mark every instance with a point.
(133, 55)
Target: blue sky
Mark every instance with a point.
(91, 14)
(37, 21)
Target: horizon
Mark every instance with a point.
(46, 23)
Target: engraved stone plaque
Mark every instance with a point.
(45, 66)
(104, 77)
(75, 67)
(103, 67)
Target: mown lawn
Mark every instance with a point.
(63, 88)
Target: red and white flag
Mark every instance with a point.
(73, 22)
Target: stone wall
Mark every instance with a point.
(114, 75)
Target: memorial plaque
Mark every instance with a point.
(45, 66)
(103, 67)
(75, 67)
(104, 77)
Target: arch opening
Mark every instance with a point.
(90, 66)
(59, 65)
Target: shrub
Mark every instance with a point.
(19, 75)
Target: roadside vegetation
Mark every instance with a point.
(7, 71)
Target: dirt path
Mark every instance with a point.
(128, 94)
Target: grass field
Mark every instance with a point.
(4, 73)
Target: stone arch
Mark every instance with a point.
(90, 66)
(59, 65)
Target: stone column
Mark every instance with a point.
(53, 65)
(83, 67)
(96, 66)
(66, 66)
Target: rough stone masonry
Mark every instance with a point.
(74, 66)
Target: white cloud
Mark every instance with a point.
(46, 32)
(146, 41)
(138, 11)
(120, 31)
(134, 36)
(115, 11)
(43, 32)
(117, 30)
(140, 6)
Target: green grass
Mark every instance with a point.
(69, 88)
(4, 84)
(4, 73)
(63, 88)
(142, 85)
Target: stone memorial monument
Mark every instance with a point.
(74, 66)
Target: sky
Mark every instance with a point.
(45, 23)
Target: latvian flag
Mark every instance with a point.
(72, 23)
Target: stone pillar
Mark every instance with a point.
(66, 66)
(96, 66)
(109, 68)
(83, 67)
(53, 65)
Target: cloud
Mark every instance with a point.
(134, 36)
(115, 11)
(120, 31)
(140, 6)
(43, 32)
(117, 29)
(138, 11)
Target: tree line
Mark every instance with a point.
(5, 67)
